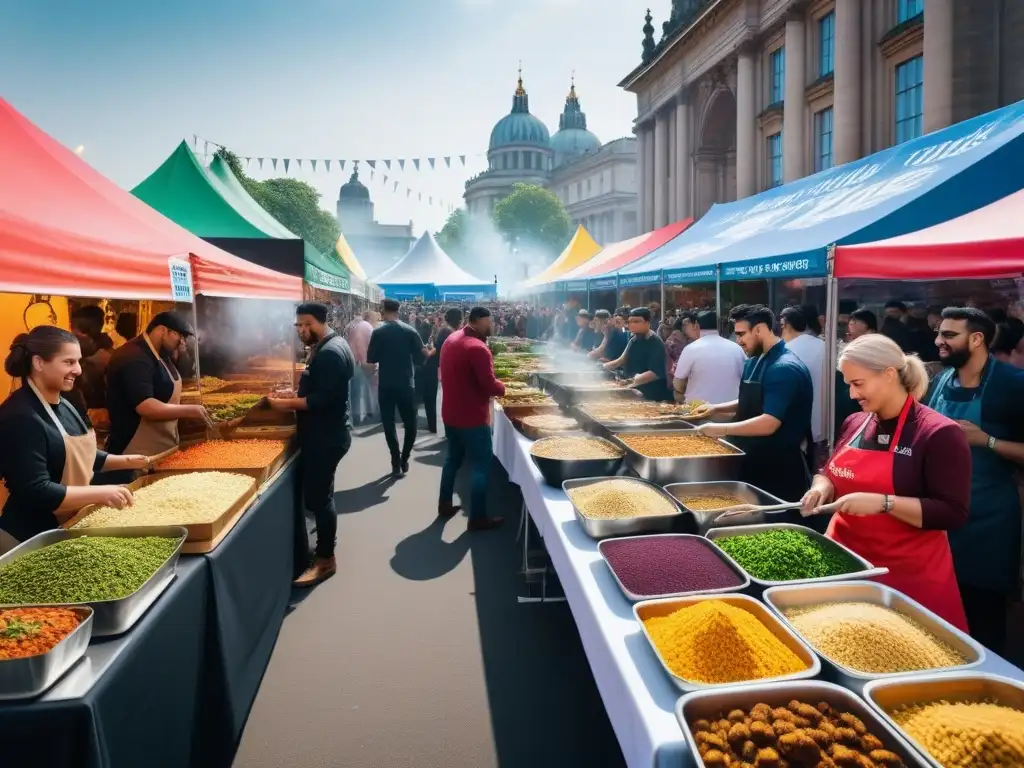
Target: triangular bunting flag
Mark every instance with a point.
(419, 196)
(416, 162)
(341, 164)
(371, 175)
(195, 141)
(388, 164)
(430, 201)
(286, 163)
(247, 159)
(328, 164)
(261, 162)
(273, 162)
(372, 163)
(408, 192)
(448, 162)
(431, 161)
(206, 147)
(299, 161)
(462, 159)
(385, 179)
(313, 163)
(401, 164)
(396, 187)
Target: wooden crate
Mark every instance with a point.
(197, 532)
(262, 474)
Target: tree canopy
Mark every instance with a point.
(534, 216)
(292, 202)
(454, 234)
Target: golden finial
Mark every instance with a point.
(520, 91)
(572, 87)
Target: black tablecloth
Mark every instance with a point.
(250, 583)
(133, 699)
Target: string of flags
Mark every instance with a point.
(382, 169)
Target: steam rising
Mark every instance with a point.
(486, 252)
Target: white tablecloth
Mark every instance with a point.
(636, 692)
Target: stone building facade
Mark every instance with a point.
(378, 245)
(742, 95)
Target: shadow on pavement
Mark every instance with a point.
(426, 555)
(365, 496)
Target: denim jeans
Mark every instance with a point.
(404, 401)
(474, 442)
(318, 466)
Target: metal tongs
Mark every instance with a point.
(755, 509)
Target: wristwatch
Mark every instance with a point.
(887, 503)
(991, 443)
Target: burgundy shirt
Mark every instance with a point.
(932, 462)
(467, 375)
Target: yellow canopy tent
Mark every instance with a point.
(348, 257)
(580, 249)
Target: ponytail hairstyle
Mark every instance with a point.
(878, 353)
(44, 341)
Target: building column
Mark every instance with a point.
(660, 171)
(641, 177)
(846, 110)
(746, 124)
(683, 176)
(938, 64)
(649, 180)
(793, 145)
(670, 170)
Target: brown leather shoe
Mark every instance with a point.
(485, 523)
(448, 511)
(321, 570)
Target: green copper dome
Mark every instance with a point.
(573, 139)
(519, 126)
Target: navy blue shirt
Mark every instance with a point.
(617, 340)
(395, 347)
(788, 392)
(1003, 402)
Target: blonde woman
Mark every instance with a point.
(899, 478)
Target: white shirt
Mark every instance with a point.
(811, 351)
(712, 367)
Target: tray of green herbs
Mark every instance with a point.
(783, 553)
(118, 572)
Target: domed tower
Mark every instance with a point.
(519, 141)
(355, 210)
(572, 139)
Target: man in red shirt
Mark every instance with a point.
(467, 376)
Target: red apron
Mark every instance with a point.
(920, 562)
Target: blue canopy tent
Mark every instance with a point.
(426, 272)
(787, 231)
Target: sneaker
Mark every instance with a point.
(405, 466)
(396, 469)
(321, 570)
(485, 523)
(447, 511)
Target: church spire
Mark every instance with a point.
(521, 102)
(572, 116)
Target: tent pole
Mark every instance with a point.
(831, 347)
(662, 305)
(718, 294)
(618, 296)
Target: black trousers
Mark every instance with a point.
(986, 611)
(317, 468)
(428, 390)
(402, 399)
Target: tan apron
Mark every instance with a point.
(155, 437)
(79, 459)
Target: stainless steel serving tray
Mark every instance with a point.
(556, 471)
(740, 573)
(114, 617)
(665, 471)
(885, 696)
(604, 528)
(650, 608)
(706, 704)
(868, 570)
(704, 520)
(25, 678)
(781, 599)
(607, 428)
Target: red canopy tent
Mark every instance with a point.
(985, 243)
(645, 244)
(66, 229)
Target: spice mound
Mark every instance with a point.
(574, 448)
(705, 502)
(550, 422)
(224, 407)
(85, 569)
(872, 638)
(225, 454)
(786, 555)
(675, 446)
(966, 733)
(635, 411)
(714, 642)
(667, 565)
(188, 499)
(28, 632)
(798, 734)
(620, 499)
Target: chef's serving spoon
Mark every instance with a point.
(756, 509)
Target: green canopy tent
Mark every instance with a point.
(213, 204)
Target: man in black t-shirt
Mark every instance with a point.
(644, 358)
(396, 348)
(453, 321)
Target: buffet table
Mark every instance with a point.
(176, 689)
(637, 694)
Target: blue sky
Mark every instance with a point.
(315, 79)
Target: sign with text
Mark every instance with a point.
(318, 278)
(813, 265)
(692, 275)
(603, 284)
(181, 279)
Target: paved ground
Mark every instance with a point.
(417, 653)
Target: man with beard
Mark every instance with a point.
(144, 392)
(467, 374)
(771, 419)
(324, 433)
(986, 397)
